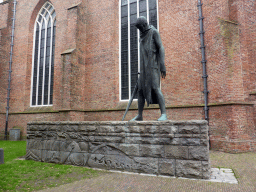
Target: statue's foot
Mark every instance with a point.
(137, 118)
(163, 117)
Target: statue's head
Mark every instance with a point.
(142, 24)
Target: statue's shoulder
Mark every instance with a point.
(155, 33)
(153, 29)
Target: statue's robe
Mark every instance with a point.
(151, 63)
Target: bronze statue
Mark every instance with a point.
(152, 66)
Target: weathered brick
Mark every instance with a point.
(86, 80)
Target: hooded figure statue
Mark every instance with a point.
(152, 66)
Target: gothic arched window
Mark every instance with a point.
(43, 57)
(130, 10)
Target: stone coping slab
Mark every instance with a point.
(168, 122)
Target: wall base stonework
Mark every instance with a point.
(233, 146)
(172, 148)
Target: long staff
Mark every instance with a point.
(130, 101)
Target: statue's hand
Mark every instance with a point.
(163, 74)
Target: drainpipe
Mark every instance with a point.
(201, 18)
(10, 69)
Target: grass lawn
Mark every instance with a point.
(30, 175)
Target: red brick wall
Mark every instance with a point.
(87, 78)
(247, 18)
(223, 53)
(4, 15)
(5, 32)
(179, 28)
(102, 54)
(232, 124)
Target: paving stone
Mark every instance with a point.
(215, 170)
(223, 176)
(226, 170)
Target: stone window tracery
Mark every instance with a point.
(43, 57)
(130, 10)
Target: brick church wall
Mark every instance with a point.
(86, 78)
(5, 32)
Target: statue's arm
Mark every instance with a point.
(161, 52)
